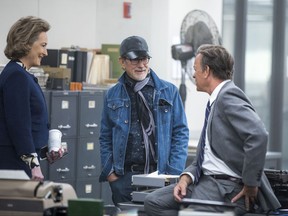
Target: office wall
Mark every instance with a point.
(89, 23)
(72, 21)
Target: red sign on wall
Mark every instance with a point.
(127, 10)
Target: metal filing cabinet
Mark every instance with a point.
(43, 163)
(88, 152)
(63, 116)
(90, 108)
(78, 116)
(64, 112)
(106, 194)
(47, 97)
(65, 167)
(88, 166)
(88, 155)
(88, 188)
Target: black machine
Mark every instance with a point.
(28, 197)
(279, 182)
(182, 52)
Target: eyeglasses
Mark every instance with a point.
(138, 60)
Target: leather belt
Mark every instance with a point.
(227, 177)
(139, 168)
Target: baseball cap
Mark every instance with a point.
(134, 47)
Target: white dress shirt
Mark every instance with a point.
(212, 165)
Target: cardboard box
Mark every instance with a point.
(59, 78)
(57, 72)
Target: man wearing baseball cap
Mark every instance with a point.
(144, 127)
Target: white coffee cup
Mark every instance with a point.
(54, 141)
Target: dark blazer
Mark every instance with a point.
(24, 123)
(239, 138)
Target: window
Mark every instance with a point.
(258, 59)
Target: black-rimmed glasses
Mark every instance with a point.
(136, 61)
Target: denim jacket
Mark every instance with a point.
(171, 130)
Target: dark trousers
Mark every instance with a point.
(122, 188)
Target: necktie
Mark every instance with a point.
(200, 157)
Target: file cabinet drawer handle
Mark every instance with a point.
(89, 167)
(64, 127)
(63, 170)
(91, 125)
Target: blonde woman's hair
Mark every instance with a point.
(22, 35)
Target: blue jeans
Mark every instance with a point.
(122, 188)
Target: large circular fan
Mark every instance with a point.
(197, 28)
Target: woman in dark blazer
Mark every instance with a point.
(24, 126)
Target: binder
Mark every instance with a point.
(81, 66)
(52, 60)
(76, 60)
(113, 50)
